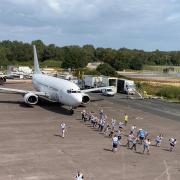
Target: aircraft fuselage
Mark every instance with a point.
(58, 90)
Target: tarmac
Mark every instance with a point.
(32, 148)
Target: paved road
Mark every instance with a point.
(154, 106)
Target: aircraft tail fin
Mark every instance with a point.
(36, 63)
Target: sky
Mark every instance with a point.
(134, 24)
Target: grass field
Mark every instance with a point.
(157, 89)
(160, 68)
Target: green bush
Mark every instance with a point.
(106, 69)
(22, 63)
(91, 72)
(51, 63)
(169, 92)
(179, 97)
(150, 89)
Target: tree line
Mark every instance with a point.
(17, 52)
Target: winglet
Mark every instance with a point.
(36, 63)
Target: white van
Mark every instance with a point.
(108, 92)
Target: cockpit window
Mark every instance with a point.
(73, 91)
(109, 90)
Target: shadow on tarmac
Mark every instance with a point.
(105, 149)
(94, 100)
(20, 103)
(57, 135)
(165, 149)
(138, 152)
(50, 106)
(54, 107)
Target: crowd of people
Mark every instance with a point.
(115, 130)
(118, 130)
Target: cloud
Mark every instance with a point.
(132, 23)
(173, 17)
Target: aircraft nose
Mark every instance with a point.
(77, 99)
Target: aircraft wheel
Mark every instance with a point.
(1, 81)
(71, 111)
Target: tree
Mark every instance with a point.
(3, 58)
(100, 54)
(40, 46)
(89, 53)
(92, 72)
(74, 57)
(106, 69)
(136, 64)
(17, 52)
(49, 52)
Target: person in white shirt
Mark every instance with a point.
(130, 139)
(133, 129)
(121, 125)
(172, 142)
(103, 122)
(147, 143)
(83, 113)
(115, 142)
(134, 143)
(101, 114)
(100, 124)
(63, 128)
(113, 122)
(158, 140)
(79, 176)
(107, 129)
(118, 134)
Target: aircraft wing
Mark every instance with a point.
(95, 89)
(23, 92)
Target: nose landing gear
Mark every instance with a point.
(71, 110)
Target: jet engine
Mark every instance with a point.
(31, 99)
(85, 99)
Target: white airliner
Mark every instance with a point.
(52, 88)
